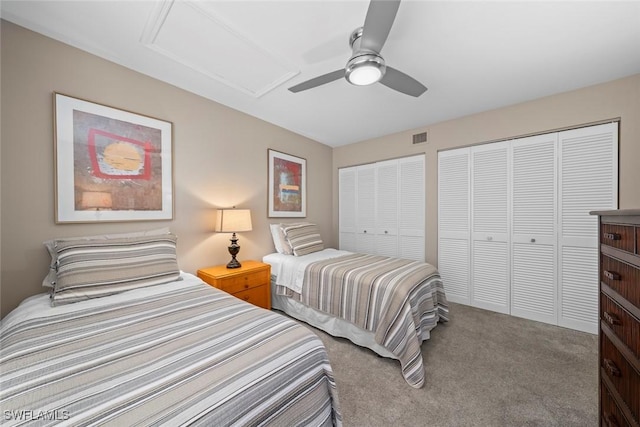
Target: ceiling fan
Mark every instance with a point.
(366, 66)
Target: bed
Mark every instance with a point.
(388, 305)
(173, 353)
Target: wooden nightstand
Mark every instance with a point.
(251, 282)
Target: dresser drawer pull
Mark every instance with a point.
(612, 275)
(611, 421)
(611, 366)
(611, 319)
(612, 236)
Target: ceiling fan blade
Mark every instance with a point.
(318, 81)
(397, 80)
(377, 25)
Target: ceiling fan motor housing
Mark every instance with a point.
(365, 67)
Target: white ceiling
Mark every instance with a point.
(473, 56)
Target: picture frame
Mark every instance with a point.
(287, 182)
(110, 164)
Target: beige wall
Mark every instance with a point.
(616, 99)
(220, 160)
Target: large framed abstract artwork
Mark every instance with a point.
(111, 164)
(287, 183)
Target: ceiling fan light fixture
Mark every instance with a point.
(363, 70)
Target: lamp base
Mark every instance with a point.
(234, 263)
(234, 248)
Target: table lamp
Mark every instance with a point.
(233, 221)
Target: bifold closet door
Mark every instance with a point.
(588, 180)
(347, 208)
(453, 223)
(490, 262)
(533, 237)
(386, 212)
(411, 216)
(366, 209)
(381, 208)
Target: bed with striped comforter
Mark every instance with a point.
(399, 301)
(182, 353)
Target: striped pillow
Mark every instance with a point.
(304, 238)
(96, 268)
(50, 280)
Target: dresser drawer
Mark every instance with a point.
(618, 236)
(622, 278)
(611, 415)
(241, 283)
(624, 325)
(257, 296)
(621, 374)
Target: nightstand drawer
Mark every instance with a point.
(242, 283)
(257, 296)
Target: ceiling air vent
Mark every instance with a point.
(419, 138)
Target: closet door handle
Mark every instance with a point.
(489, 238)
(533, 240)
(611, 366)
(612, 236)
(386, 232)
(611, 275)
(611, 318)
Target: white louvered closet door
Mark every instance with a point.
(411, 218)
(386, 227)
(453, 223)
(533, 238)
(588, 180)
(366, 209)
(347, 208)
(490, 227)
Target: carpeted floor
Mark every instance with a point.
(483, 369)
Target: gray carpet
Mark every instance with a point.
(482, 369)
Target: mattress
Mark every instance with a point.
(181, 353)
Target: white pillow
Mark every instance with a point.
(280, 242)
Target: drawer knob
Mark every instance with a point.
(612, 236)
(611, 318)
(611, 366)
(611, 275)
(611, 421)
(246, 286)
(246, 297)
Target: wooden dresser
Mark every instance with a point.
(619, 354)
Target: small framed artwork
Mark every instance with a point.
(287, 183)
(111, 164)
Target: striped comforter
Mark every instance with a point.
(398, 300)
(178, 354)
